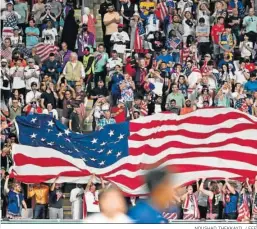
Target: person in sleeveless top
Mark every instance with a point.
(214, 198)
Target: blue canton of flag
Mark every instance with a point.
(97, 149)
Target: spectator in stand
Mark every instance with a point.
(14, 110)
(52, 68)
(85, 39)
(106, 120)
(32, 108)
(49, 96)
(15, 200)
(50, 111)
(32, 34)
(101, 58)
(216, 30)
(188, 108)
(10, 19)
(49, 34)
(172, 107)
(31, 73)
(17, 73)
(73, 70)
(64, 54)
(48, 15)
(76, 201)
(5, 81)
(250, 24)
(74, 121)
(177, 96)
(251, 85)
(6, 49)
(231, 200)
(41, 192)
(22, 9)
(92, 196)
(37, 10)
(120, 40)
(111, 21)
(33, 93)
(70, 31)
(56, 197)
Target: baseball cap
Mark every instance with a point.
(4, 61)
(120, 25)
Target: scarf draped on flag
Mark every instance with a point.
(196, 214)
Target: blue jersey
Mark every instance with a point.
(144, 212)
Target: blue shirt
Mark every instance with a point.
(168, 58)
(145, 213)
(31, 40)
(251, 86)
(231, 206)
(14, 203)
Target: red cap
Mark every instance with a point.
(120, 25)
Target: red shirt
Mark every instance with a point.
(216, 31)
(120, 117)
(250, 67)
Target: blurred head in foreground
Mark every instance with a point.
(160, 187)
(112, 206)
(161, 194)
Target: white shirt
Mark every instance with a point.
(120, 36)
(4, 71)
(50, 34)
(90, 201)
(182, 4)
(187, 29)
(111, 63)
(18, 77)
(4, 15)
(151, 26)
(16, 40)
(54, 113)
(244, 51)
(193, 78)
(100, 218)
(32, 95)
(31, 75)
(239, 76)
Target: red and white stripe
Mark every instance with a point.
(243, 212)
(212, 143)
(170, 216)
(163, 10)
(138, 41)
(43, 50)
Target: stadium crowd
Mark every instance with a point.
(172, 56)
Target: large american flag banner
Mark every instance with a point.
(43, 50)
(212, 143)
